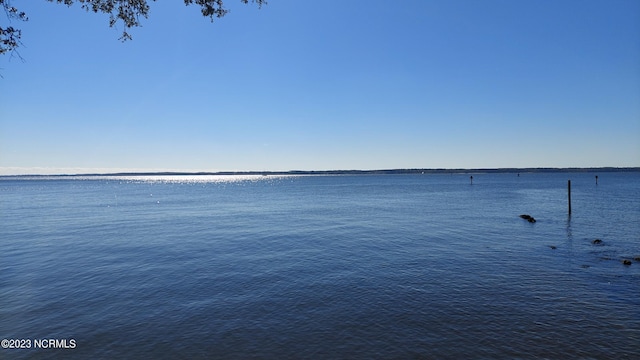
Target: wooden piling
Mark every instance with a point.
(569, 195)
(596, 179)
(471, 179)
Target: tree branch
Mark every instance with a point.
(128, 11)
(10, 36)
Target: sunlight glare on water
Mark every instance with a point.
(181, 178)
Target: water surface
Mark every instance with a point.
(359, 266)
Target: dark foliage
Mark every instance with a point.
(10, 36)
(128, 11)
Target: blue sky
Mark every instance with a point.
(333, 84)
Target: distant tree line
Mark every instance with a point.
(364, 172)
(128, 11)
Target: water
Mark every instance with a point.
(371, 266)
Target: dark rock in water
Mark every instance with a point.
(585, 266)
(637, 258)
(552, 247)
(529, 218)
(626, 262)
(596, 242)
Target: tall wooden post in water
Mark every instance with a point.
(569, 194)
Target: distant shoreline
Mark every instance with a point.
(353, 172)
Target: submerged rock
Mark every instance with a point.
(596, 242)
(552, 247)
(626, 262)
(529, 218)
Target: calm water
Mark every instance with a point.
(392, 266)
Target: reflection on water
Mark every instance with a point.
(186, 179)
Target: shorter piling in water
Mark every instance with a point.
(596, 179)
(471, 179)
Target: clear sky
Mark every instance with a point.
(331, 84)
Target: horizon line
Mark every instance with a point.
(344, 171)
